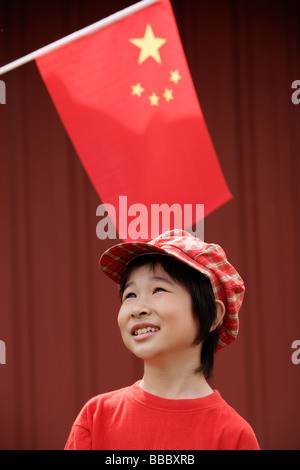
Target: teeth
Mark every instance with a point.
(142, 331)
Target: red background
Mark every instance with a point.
(58, 312)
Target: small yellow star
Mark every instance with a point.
(168, 94)
(137, 90)
(149, 45)
(153, 99)
(175, 76)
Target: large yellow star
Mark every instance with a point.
(149, 45)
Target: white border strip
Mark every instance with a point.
(119, 15)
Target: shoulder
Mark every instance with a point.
(93, 413)
(107, 401)
(236, 428)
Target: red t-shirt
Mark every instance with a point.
(133, 419)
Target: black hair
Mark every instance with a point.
(203, 301)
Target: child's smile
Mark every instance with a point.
(143, 330)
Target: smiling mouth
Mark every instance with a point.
(142, 331)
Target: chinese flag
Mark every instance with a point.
(126, 98)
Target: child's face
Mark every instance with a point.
(156, 319)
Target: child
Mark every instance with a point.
(180, 299)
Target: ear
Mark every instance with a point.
(220, 312)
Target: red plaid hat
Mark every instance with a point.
(208, 258)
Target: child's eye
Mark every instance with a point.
(129, 295)
(159, 289)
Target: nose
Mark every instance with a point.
(140, 311)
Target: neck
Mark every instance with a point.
(174, 382)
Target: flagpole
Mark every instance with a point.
(119, 15)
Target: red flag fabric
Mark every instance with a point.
(127, 100)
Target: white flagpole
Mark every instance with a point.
(119, 15)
